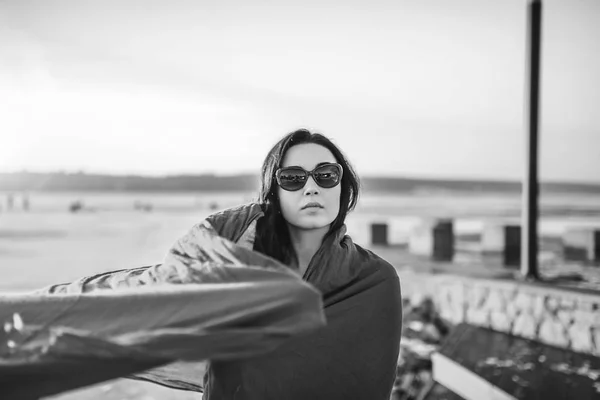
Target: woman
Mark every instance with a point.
(308, 188)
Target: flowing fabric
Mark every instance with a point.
(353, 357)
(333, 333)
(153, 323)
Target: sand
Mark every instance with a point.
(42, 248)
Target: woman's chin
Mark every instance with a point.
(308, 223)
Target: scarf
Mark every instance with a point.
(268, 333)
(153, 323)
(353, 357)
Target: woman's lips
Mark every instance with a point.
(312, 205)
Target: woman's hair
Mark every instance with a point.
(272, 235)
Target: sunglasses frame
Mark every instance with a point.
(309, 174)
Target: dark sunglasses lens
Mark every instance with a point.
(327, 176)
(292, 179)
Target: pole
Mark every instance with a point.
(530, 190)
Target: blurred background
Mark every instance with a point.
(124, 123)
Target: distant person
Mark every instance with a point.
(308, 187)
(76, 206)
(25, 202)
(9, 201)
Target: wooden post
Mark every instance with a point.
(379, 234)
(529, 261)
(443, 240)
(433, 239)
(512, 246)
(582, 244)
(504, 240)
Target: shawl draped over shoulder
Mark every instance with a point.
(353, 357)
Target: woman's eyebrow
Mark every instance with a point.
(316, 166)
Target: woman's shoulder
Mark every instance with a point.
(372, 261)
(378, 272)
(232, 222)
(242, 210)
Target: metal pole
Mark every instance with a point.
(530, 190)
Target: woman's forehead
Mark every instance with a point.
(307, 156)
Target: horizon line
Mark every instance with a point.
(246, 173)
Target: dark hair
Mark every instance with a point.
(272, 235)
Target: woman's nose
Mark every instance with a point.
(311, 187)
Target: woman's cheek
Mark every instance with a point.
(285, 203)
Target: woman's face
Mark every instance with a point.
(292, 204)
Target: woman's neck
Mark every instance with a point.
(306, 243)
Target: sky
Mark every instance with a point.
(429, 88)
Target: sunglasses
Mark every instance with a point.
(326, 175)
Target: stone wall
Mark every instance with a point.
(560, 317)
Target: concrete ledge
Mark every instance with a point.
(433, 239)
(553, 315)
(479, 363)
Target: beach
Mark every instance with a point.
(48, 244)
